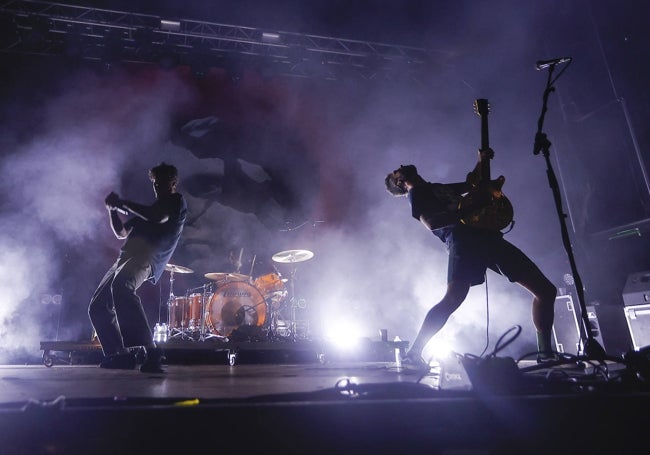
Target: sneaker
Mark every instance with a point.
(414, 362)
(153, 362)
(547, 357)
(119, 362)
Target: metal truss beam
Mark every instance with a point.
(39, 27)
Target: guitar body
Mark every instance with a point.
(495, 211)
(496, 215)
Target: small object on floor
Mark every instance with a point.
(153, 362)
(125, 361)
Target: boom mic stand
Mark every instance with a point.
(592, 348)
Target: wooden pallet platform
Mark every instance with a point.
(218, 350)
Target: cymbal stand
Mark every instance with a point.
(275, 311)
(203, 331)
(294, 302)
(170, 307)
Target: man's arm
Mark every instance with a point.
(117, 225)
(156, 213)
(474, 177)
(116, 222)
(440, 219)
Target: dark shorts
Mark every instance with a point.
(473, 251)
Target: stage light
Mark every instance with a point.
(344, 342)
(271, 38)
(170, 26)
(437, 349)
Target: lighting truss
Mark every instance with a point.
(90, 33)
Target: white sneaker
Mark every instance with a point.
(414, 362)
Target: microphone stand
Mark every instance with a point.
(592, 348)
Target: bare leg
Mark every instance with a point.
(438, 315)
(544, 293)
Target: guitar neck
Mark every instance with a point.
(485, 144)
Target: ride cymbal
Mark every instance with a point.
(292, 256)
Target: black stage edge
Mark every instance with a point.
(217, 350)
(396, 419)
(506, 411)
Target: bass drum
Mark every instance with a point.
(235, 305)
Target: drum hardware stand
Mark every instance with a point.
(273, 320)
(293, 257)
(203, 335)
(170, 302)
(171, 268)
(295, 303)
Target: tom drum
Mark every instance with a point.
(176, 313)
(272, 288)
(193, 312)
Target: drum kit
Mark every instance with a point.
(232, 304)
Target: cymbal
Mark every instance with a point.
(178, 269)
(291, 256)
(218, 276)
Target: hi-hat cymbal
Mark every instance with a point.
(178, 269)
(218, 276)
(291, 256)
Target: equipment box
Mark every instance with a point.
(638, 321)
(567, 323)
(637, 289)
(566, 330)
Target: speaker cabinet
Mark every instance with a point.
(638, 321)
(637, 289)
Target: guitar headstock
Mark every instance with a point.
(481, 107)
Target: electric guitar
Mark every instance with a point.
(497, 213)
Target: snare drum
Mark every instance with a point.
(234, 305)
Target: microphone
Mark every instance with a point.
(543, 64)
(122, 211)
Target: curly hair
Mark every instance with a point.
(394, 181)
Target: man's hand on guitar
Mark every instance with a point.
(486, 154)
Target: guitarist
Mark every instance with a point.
(472, 250)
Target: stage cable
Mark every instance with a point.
(487, 316)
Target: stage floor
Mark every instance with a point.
(301, 397)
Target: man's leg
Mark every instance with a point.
(438, 315)
(543, 308)
(128, 306)
(101, 312)
(519, 268)
(135, 326)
